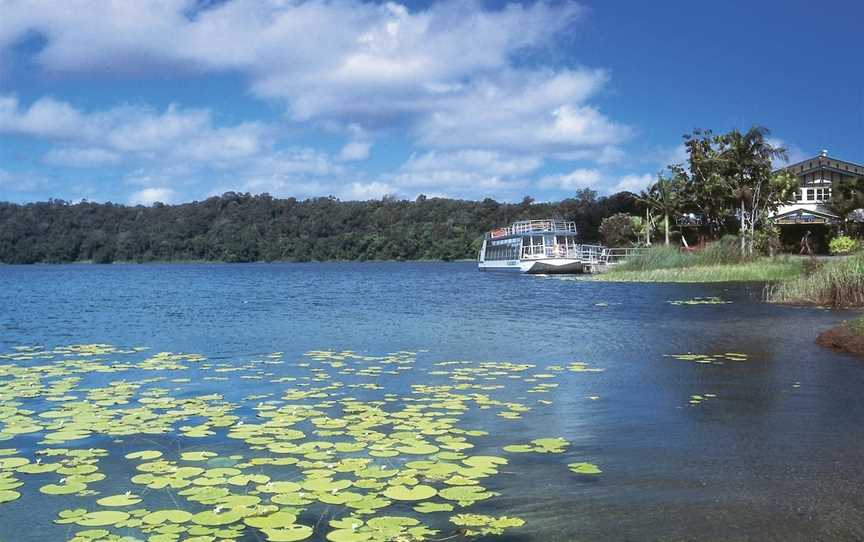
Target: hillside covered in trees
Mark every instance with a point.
(244, 228)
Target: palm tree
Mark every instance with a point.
(665, 196)
(748, 165)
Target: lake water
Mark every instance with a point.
(772, 451)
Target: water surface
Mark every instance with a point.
(774, 456)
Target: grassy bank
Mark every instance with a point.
(718, 262)
(837, 283)
(762, 270)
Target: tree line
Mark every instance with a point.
(728, 185)
(237, 227)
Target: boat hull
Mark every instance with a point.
(547, 266)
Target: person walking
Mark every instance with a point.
(806, 249)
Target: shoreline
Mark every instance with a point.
(224, 262)
(845, 337)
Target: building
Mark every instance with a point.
(809, 213)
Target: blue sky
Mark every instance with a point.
(175, 100)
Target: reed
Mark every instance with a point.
(838, 283)
(726, 251)
(759, 270)
(720, 261)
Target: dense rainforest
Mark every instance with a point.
(244, 228)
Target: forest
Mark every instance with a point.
(238, 227)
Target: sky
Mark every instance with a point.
(139, 101)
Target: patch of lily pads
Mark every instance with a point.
(334, 444)
(714, 359)
(710, 300)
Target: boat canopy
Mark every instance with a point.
(549, 225)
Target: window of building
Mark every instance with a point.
(809, 194)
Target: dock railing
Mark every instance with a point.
(620, 255)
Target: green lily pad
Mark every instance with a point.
(414, 493)
(348, 535)
(102, 518)
(9, 496)
(145, 455)
(63, 489)
(162, 517)
(584, 468)
(288, 534)
(210, 518)
(432, 507)
(272, 521)
(119, 500)
(466, 495)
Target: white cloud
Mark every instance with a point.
(539, 111)
(673, 156)
(489, 162)
(20, 182)
(632, 183)
(149, 196)
(606, 155)
(46, 117)
(81, 157)
(794, 152)
(451, 75)
(366, 191)
(448, 69)
(467, 173)
(174, 134)
(576, 179)
(355, 150)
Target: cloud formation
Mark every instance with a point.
(449, 77)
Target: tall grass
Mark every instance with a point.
(720, 261)
(838, 283)
(726, 251)
(761, 270)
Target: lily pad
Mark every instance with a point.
(292, 533)
(119, 500)
(210, 518)
(584, 468)
(162, 517)
(414, 493)
(8, 496)
(102, 518)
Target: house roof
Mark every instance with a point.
(804, 216)
(823, 161)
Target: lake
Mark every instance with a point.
(323, 374)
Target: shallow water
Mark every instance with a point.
(773, 456)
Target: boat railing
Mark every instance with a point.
(534, 226)
(585, 253)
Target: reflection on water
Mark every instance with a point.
(773, 456)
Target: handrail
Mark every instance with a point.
(549, 225)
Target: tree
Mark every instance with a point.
(847, 196)
(665, 196)
(706, 190)
(618, 230)
(747, 160)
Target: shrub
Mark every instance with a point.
(842, 244)
(618, 230)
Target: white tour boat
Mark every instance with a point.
(539, 246)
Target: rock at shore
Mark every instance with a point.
(843, 337)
